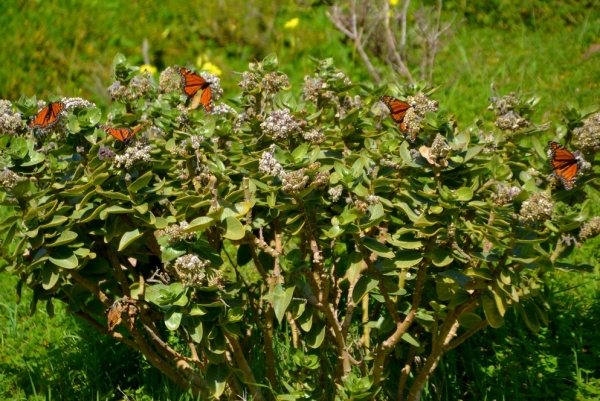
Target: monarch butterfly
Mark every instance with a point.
(565, 164)
(398, 109)
(124, 135)
(196, 87)
(48, 116)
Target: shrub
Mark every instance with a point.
(301, 244)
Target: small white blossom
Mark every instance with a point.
(138, 151)
(280, 125)
(335, 193)
(268, 164)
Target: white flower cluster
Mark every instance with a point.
(10, 122)
(138, 87)
(505, 194)
(268, 164)
(175, 231)
(506, 117)
(249, 81)
(273, 82)
(537, 208)
(373, 199)
(190, 269)
(312, 87)
(222, 109)
(183, 117)
(321, 180)
(280, 125)
(138, 151)
(335, 193)
(294, 182)
(169, 81)
(314, 136)
(588, 136)
(8, 178)
(72, 103)
(590, 229)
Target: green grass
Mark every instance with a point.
(62, 358)
(67, 47)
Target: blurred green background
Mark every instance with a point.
(66, 47)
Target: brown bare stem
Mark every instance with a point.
(243, 365)
(405, 372)
(353, 34)
(447, 333)
(481, 325)
(401, 328)
(91, 287)
(121, 277)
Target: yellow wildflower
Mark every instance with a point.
(291, 24)
(213, 69)
(147, 67)
(393, 2)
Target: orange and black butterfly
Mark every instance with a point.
(196, 87)
(398, 110)
(48, 116)
(124, 135)
(565, 164)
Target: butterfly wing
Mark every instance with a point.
(48, 116)
(124, 135)
(192, 85)
(564, 164)
(397, 108)
(568, 175)
(121, 134)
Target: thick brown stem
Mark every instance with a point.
(365, 319)
(481, 325)
(269, 335)
(243, 365)
(121, 277)
(293, 328)
(401, 328)
(447, 333)
(405, 372)
(91, 287)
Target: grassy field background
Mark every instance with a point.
(66, 47)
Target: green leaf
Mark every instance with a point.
(65, 238)
(234, 230)
(529, 314)
(129, 237)
(354, 266)
(216, 378)
(199, 223)
(314, 338)
(377, 247)
(195, 329)
(457, 276)
(463, 194)
(281, 300)
(410, 339)
(405, 259)
(140, 183)
(364, 285)
(491, 311)
(468, 319)
(50, 274)
(173, 318)
(64, 257)
(440, 257)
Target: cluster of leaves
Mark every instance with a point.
(300, 219)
